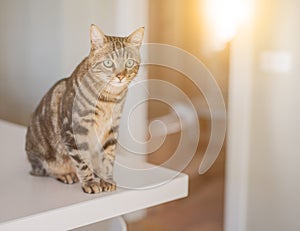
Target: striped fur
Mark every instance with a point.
(73, 132)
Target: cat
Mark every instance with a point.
(72, 135)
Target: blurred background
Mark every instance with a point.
(252, 50)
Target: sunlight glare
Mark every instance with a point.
(225, 16)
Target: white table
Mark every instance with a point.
(42, 203)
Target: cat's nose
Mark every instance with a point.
(121, 75)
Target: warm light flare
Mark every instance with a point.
(224, 17)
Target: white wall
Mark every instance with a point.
(262, 186)
(30, 54)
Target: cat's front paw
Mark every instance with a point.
(108, 186)
(69, 178)
(91, 187)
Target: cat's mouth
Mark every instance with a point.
(118, 82)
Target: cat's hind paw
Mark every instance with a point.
(108, 186)
(69, 178)
(91, 187)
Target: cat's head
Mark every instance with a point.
(115, 60)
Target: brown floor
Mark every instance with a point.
(202, 210)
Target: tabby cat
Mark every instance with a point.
(72, 135)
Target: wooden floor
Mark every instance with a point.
(202, 210)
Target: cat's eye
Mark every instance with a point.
(108, 63)
(129, 63)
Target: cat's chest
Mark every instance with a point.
(106, 113)
(107, 116)
(104, 120)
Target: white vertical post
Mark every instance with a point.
(238, 139)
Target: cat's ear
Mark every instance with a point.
(136, 37)
(97, 37)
